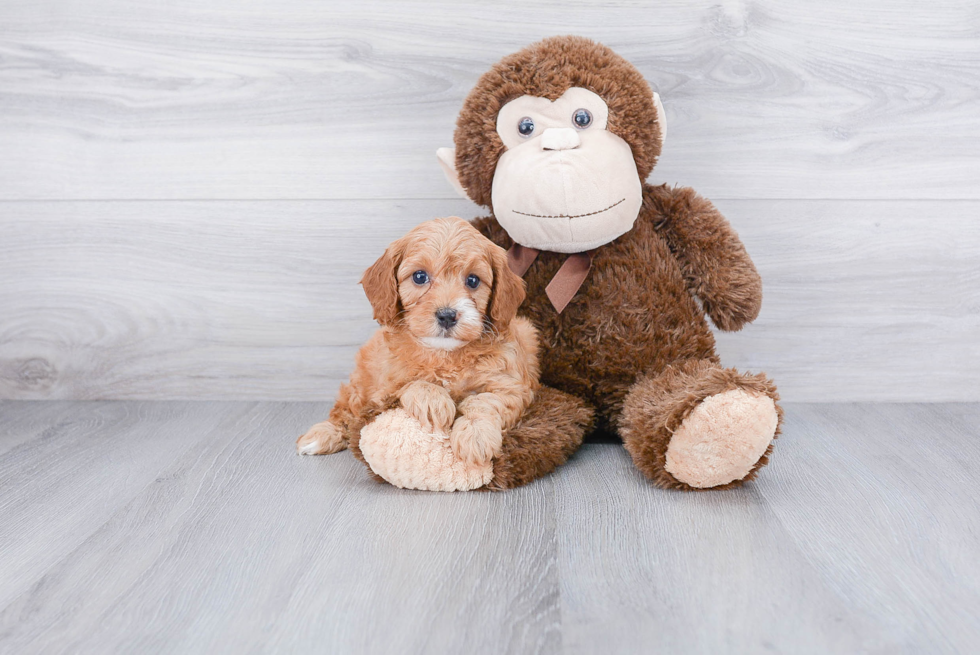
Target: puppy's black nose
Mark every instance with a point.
(446, 317)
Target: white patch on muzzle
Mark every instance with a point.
(442, 343)
(467, 314)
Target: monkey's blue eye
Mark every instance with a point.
(525, 126)
(420, 277)
(582, 118)
(472, 281)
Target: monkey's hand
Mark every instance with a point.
(430, 404)
(716, 266)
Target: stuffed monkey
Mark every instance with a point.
(557, 140)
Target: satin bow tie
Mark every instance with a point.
(566, 282)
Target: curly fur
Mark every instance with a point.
(548, 434)
(471, 391)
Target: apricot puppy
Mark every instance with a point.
(450, 350)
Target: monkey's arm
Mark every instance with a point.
(717, 267)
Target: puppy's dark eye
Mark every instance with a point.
(420, 277)
(525, 126)
(472, 281)
(582, 118)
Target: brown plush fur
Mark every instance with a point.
(627, 320)
(471, 389)
(548, 434)
(657, 405)
(634, 342)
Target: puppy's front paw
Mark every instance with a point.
(322, 439)
(476, 441)
(430, 405)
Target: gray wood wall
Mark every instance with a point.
(190, 190)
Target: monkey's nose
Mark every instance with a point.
(560, 138)
(446, 317)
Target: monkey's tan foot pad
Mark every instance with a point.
(722, 439)
(397, 448)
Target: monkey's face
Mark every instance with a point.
(565, 183)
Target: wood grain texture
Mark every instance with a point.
(902, 480)
(863, 300)
(241, 546)
(110, 99)
(28, 421)
(866, 300)
(861, 536)
(85, 467)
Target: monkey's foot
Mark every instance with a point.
(398, 449)
(722, 439)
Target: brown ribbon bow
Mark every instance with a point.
(567, 281)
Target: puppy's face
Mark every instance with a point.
(445, 283)
(444, 287)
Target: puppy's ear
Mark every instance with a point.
(508, 289)
(380, 284)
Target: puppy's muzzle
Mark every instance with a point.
(446, 317)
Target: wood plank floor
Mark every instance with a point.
(191, 527)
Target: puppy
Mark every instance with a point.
(450, 350)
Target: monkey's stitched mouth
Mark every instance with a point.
(622, 200)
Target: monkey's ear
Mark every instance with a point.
(508, 289)
(447, 160)
(661, 118)
(380, 284)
